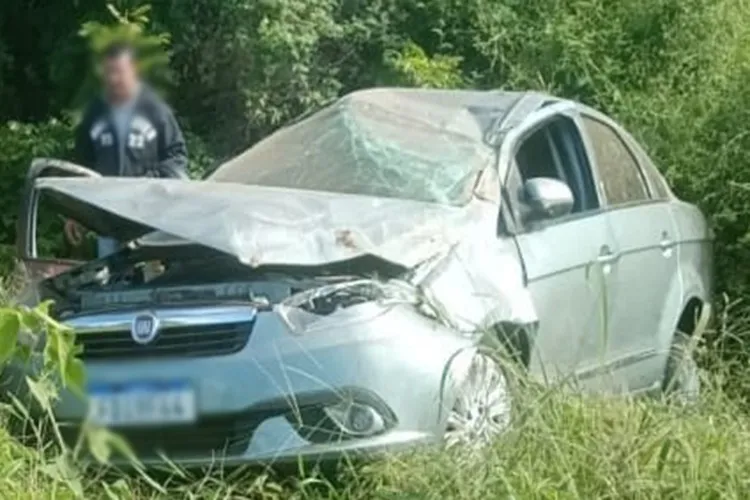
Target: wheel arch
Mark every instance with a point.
(694, 316)
(517, 340)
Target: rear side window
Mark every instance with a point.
(659, 189)
(620, 176)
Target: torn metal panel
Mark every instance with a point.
(406, 175)
(353, 301)
(478, 284)
(476, 280)
(265, 225)
(469, 288)
(389, 148)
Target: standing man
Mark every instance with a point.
(128, 131)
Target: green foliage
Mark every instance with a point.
(673, 71)
(412, 67)
(21, 329)
(201, 161)
(30, 337)
(562, 447)
(258, 64)
(19, 144)
(129, 26)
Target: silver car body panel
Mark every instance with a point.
(279, 369)
(261, 225)
(605, 320)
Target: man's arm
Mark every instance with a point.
(84, 150)
(173, 159)
(83, 155)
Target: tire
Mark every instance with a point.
(483, 407)
(682, 379)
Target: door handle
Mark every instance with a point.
(606, 255)
(666, 243)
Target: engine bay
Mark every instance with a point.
(185, 276)
(263, 294)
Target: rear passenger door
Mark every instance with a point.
(644, 284)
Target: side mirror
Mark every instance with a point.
(547, 198)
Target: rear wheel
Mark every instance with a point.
(482, 409)
(682, 380)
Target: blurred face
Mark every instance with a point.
(120, 77)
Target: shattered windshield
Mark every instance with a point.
(362, 145)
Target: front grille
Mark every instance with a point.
(173, 341)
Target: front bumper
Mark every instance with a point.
(397, 356)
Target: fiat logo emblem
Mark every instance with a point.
(144, 328)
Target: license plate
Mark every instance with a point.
(143, 403)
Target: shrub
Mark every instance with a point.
(19, 144)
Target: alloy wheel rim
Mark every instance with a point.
(483, 408)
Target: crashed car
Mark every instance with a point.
(343, 286)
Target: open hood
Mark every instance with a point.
(265, 225)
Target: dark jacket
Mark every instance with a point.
(155, 146)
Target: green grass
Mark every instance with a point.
(563, 446)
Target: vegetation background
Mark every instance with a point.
(675, 72)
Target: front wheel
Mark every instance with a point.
(482, 410)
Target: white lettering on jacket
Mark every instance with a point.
(96, 129)
(142, 133)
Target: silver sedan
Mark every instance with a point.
(344, 285)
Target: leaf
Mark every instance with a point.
(118, 490)
(10, 323)
(43, 308)
(116, 13)
(119, 444)
(663, 455)
(75, 374)
(64, 471)
(43, 391)
(103, 442)
(98, 441)
(60, 350)
(42, 314)
(54, 353)
(23, 353)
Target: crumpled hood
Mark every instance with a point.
(266, 225)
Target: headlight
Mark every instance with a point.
(301, 311)
(356, 419)
(353, 414)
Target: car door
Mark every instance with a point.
(37, 263)
(568, 260)
(645, 287)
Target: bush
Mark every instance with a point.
(673, 71)
(566, 447)
(19, 144)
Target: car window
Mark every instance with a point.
(620, 177)
(536, 157)
(659, 189)
(554, 150)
